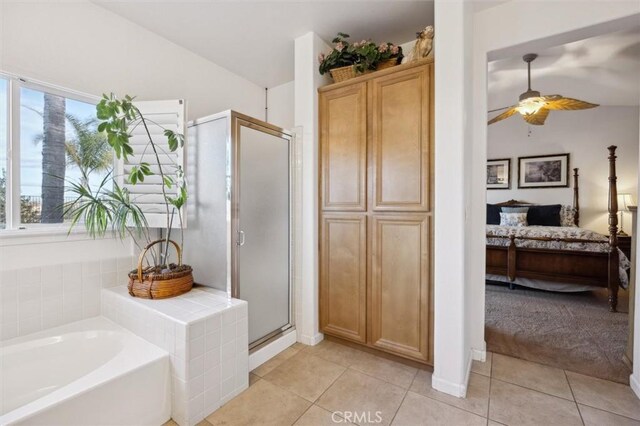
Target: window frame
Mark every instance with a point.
(15, 83)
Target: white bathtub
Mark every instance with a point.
(91, 372)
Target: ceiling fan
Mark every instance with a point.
(535, 108)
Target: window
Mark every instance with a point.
(52, 140)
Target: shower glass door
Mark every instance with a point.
(263, 234)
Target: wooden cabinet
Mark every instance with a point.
(344, 275)
(376, 180)
(400, 284)
(400, 140)
(344, 149)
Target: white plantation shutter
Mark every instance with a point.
(159, 115)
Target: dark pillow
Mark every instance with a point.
(493, 214)
(544, 215)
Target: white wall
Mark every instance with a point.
(585, 135)
(452, 354)
(82, 46)
(307, 81)
(281, 105)
(503, 31)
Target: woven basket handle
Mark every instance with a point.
(151, 244)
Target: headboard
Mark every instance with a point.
(576, 199)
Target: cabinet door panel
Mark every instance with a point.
(400, 140)
(343, 146)
(343, 276)
(400, 284)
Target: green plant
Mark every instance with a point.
(368, 55)
(363, 56)
(341, 55)
(111, 205)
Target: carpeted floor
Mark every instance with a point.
(572, 331)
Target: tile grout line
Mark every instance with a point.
(406, 392)
(447, 403)
(301, 415)
(575, 401)
(607, 411)
(534, 390)
(328, 387)
(489, 396)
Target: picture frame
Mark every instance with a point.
(499, 173)
(544, 171)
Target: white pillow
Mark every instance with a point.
(567, 216)
(513, 219)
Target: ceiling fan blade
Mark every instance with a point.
(508, 113)
(538, 118)
(558, 103)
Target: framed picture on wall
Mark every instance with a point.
(499, 174)
(543, 171)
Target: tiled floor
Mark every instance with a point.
(325, 384)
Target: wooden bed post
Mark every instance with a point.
(576, 197)
(614, 257)
(511, 260)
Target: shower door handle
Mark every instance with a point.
(240, 238)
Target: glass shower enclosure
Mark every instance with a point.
(240, 216)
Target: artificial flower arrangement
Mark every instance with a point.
(390, 54)
(346, 60)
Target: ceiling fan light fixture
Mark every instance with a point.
(531, 105)
(535, 108)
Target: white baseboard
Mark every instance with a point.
(635, 385)
(311, 340)
(480, 354)
(455, 389)
(458, 390)
(264, 354)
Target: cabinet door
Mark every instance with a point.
(400, 113)
(343, 276)
(343, 148)
(400, 274)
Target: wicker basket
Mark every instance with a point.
(387, 64)
(148, 284)
(343, 73)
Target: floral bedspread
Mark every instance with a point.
(559, 232)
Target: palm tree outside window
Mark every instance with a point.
(58, 143)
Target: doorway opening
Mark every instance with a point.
(549, 195)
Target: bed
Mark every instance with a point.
(572, 256)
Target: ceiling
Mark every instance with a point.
(256, 39)
(603, 70)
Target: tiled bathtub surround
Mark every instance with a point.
(38, 298)
(206, 334)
